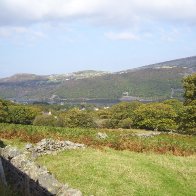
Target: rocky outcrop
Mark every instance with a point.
(35, 180)
(50, 146)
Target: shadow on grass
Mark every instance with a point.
(2, 145)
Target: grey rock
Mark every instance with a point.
(28, 146)
(102, 135)
(10, 152)
(70, 192)
(41, 175)
(50, 146)
(49, 182)
(63, 190)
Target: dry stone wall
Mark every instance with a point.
(27, 177)
(50, 146)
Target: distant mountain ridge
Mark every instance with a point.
(188, 62)
(54, 77)
(151, 81)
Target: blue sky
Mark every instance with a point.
(62, 36)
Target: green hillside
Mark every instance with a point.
(142, 83)
(153, 81)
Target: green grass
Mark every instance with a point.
(99, 170)
(14, 142)
(109, 172)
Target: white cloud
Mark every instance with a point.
(125, 16)
(9, 31)
(19, 12)
(21, 35)
(121, 36)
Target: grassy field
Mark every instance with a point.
(110, 172)
(122, 164)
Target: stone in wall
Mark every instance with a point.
(29, 176)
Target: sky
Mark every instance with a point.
(62, 36)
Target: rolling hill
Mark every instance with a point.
(157, 81)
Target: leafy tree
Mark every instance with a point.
(176, 104)
(155, 116)
(187, 120)
(3, 112)
(103, 114)
(21, 114)
(122, 114)
(76, 118)
(187, 114)
(124, 109)
(189, 84)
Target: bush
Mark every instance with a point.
(189, 84)
(103, 114)
(47, 120)
(3, 112)
(111, 123)
(124, 110)
(76, 118)
(155, 116)
(125, 123)
(187, 120)
(21, 115)
(122, 114)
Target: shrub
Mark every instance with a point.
(125, 123)
(47, 120)
(187, 120)
(111, 123)
(189, 84)
(21, 115)
(155, 116)
(76, 118)
(122, 114)
(103, 114)
(3, 112)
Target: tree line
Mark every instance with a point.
(169, 115)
